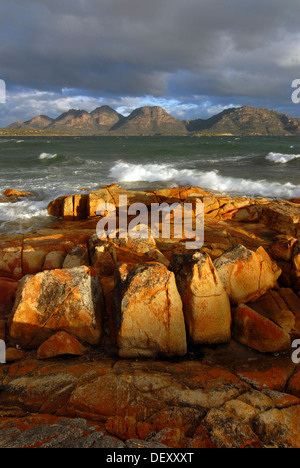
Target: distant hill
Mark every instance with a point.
(156, 121)
(39, 123)
(150, 121)
(247, 121)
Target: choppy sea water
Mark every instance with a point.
(54, 166)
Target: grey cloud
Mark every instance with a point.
(235, 48)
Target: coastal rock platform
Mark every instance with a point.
(124, 342)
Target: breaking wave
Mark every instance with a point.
(279, 158)
(210, 180)
(43, 156)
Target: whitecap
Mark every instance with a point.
(279, 158)
(210, 180)
(47, 156)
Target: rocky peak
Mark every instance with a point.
(105, 116)
(151, 120)
(41, 121)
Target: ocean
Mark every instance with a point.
(53, 166)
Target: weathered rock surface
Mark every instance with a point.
(148, 312)
(284, 218)
(272, 306)
(47, 431)
(13, 354)
(17, 193)
(60, 344)
(205, 303)
(216, 394)
(54, 260)
(246, 275)
(68, 300)
(185, 404)
(252, 329)
(78, 256)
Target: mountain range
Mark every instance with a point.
(148, 121)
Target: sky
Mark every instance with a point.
(194, 58)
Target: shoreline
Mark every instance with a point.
(10, 197)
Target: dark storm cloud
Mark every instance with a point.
(232, 51)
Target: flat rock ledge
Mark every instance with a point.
(107, 403)
(140, 343)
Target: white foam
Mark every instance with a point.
(279, 158)
(22, 216)
(210, 180)
(125, 172)
(47, 156)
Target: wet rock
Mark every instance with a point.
(17, 193)
(11, 199)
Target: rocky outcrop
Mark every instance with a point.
(60, 344)
(148, 312)
(164, 346)
(284, 217)
(205, 302)
(180, 405)
(252, 329)
(246, 275)
(17, 193)
(69, 300)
